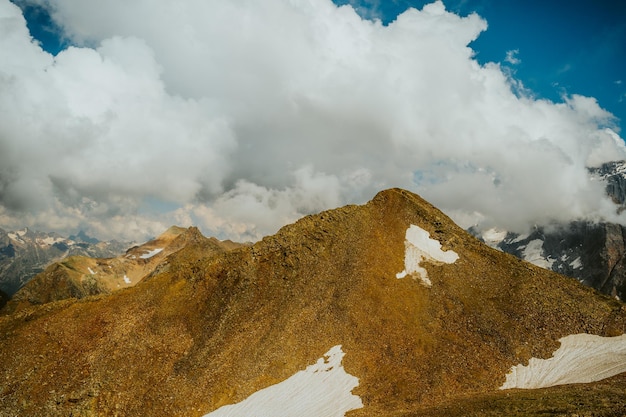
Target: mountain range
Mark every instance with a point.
(80, 276)
(382, 309)
(25, 253)
(592, 252)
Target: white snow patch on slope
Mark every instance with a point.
(494, 236)
(51, 240)
(576, 263)
(91, 271)
(533, 253)
(418, 247)
(581, 358)
(321, 390)
(127, 280)
(520, 238)
(151, 253)
(15, 237)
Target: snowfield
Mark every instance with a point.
(418, 247)
(15, 237)
(494, 236)
(51, 240)
(321, 390)
(151, 253)
(533, 253)
(581, 358)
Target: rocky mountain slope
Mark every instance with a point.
(25, 253)
(389, 302)
(593, 253)
(81, 276)
(614, 174)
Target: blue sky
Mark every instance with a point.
(240, 117)
(43, 28)
(563, 46)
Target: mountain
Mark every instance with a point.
(82, 276)
(592, 252)
(384, 309)
(82, 237)
(25, 253)
(4, 299)
(614, 174)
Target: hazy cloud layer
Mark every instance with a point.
(241, 116)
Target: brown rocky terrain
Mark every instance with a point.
(210, 328)
(600, 399)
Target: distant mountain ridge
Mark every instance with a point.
(593, 253)
(25, 253)
(79, 276)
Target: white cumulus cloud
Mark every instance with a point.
(241, 116)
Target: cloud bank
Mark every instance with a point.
(241, 116)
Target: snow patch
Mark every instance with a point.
(151, 253)
(520, 238)
(494, 236)
(15, 237)
(91, 271)
(50, 240)
(127, 280)
(576, 263)
(581, 358)
(533, 253)
(321, 390)
(418, 247)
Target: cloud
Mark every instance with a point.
(369, 9)
(242, 116)
(511, 57)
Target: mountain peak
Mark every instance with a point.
(172, 231)
(81, 236)
(211, 329)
